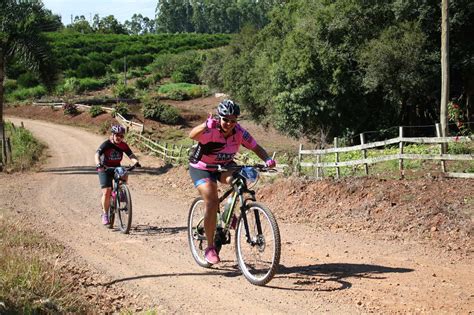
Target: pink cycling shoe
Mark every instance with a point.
(105, 219)
(210, 254)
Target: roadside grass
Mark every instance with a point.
(182, 91)
(26, 150)
(29, 282)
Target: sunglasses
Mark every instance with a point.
(118, 135)
(230, 121)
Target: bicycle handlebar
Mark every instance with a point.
(224, 168)
(128, 169)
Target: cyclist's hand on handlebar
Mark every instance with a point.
(270, 163)
(211, 122)
(100, 167)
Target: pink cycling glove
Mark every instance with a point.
(211, 123)
(270, 163)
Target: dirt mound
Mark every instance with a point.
(424, 209)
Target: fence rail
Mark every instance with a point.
(401, 156)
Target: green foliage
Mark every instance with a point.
(95, 111)
(26, 93)
(121, 90)
(26, 150)
(182, 91)
(91, 51)
(155, 110)
(342, 66)
(28, 80)
(70, 109)
(91, 69)
(121, 108)
(10, 85)
(142, 83)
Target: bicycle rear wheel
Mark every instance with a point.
(196, 235)
(124, 209)
(258, 258)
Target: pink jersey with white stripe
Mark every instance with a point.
(213, 148)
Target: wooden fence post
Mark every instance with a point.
(336, 144)
(166, 152)
(22, 125)
(400, 145)
(364, 153)
(180, 152)
(442, 147)
(2, 155)
(318, 168)
(298, 164)
(9, 158)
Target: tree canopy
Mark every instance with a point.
(347, 66)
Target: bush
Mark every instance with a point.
(123, 91)
(170, 115)
(89, 84)
(27, 93)
(182, 91)
(157, 77)
(10, 85)
(95, 111)
(161, 112)
(70, 109)
(91, 69)
(28, 80)
(121, 108)
(142, 84)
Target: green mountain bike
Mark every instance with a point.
(257, 236)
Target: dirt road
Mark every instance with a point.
(321, 271)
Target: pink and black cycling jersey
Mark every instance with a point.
(111, 154)
(213, 148)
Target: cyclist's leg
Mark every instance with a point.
(105, 180)
(208, 191)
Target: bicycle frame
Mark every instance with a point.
(238, 189)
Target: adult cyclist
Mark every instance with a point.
(218, 142)
(110, 154)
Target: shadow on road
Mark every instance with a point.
(84, 170)
(141, 229)
(330, 277)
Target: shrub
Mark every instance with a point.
(182, 91)
(161, 112)
(89, 84)
(121, 108)
(27, 93)
(70, 109)
(170, 115)
(95, 111)
(27, 80)
(123, 91)
(142, 83)
(157, 77)
(91, 69)
(10, 85)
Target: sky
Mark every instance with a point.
(121, 9)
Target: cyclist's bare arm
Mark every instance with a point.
(261, 153)
(197, 131)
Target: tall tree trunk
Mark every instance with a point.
(444, 65)
(3, 151)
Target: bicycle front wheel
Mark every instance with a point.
(124, 209)
(196, 235)
(258, 256)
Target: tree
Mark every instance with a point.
(21, 25)
(140, 25)
(110, 25)
(81, 25)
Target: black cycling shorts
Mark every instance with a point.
(105, 179)
(202, 176)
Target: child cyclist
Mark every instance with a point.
(110, 154)
(218, 142)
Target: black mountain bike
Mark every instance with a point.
(257, 236)
(120, 199)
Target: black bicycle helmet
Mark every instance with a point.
(228, 107)
(117, 129)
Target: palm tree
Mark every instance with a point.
(21, 26)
